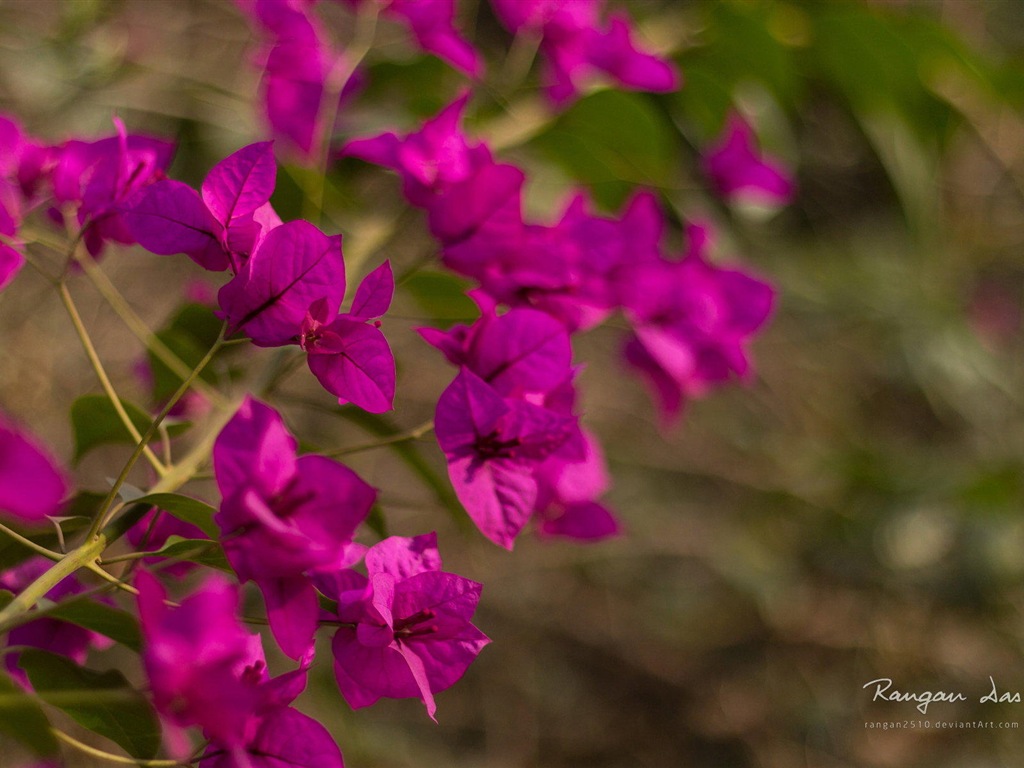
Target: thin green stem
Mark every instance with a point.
(410, 434)
(112, 758)
(108, 387)
(80, 597)
(133, 556)
(34, 592)
(101, 518)
(115, 582)
(30, 544)
(138, 326)
(337, 79)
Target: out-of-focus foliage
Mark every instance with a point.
(856, 513)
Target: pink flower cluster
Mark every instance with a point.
(299, 63)
(289, 278)
(577, 45)
(508, 424)
(90, 179)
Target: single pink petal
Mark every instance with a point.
(285, 738)
(403, 557)
(335, 501)
(667, 390)
(292, 610)
(32, 485)
(585, 521)
(467, 206)
(419, 674)
(379, 150)
(374, 294)
(522, 351)
(365, 673)
(740, 173)
(254, 445)
(431, 21)
(169, 217)
(498, 495)
(616, 54)
(241, 182)
(353, 361)
(11, 263)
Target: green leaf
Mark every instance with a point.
(187, 349)
(887, 76)
(103, 702)
(442, 296)
(5, 598)
(120, 626)
(739, 47)
(95, 422)
(189, 334)
(202, 551)
(23, 719)
(612, 141)
(188, 510)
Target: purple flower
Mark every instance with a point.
(519, 353)
(296, 63)
(218, 229)
(11, 259)
(479, 220)
(432, 23)
(406, 625)
(284, 516)
(350, 356)
(430, 160)
(48, 634)
(567, 495)
(494, 447)
(32, 485)
(741, 174)
(99, 176)
(285, 738)
(576, 46)
(571, 270)
(193, 656)
(11, 262)
(691, 321)
(205, 669)
(293, 266)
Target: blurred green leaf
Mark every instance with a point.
(23, 719)
(737, 47)
(612, 141)
(868, 58)
(442, 296)
(423, 85)
(189, 510)
(202, 551)
(95, 422)
(189, 334)
(103, 702)
(120, 626)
